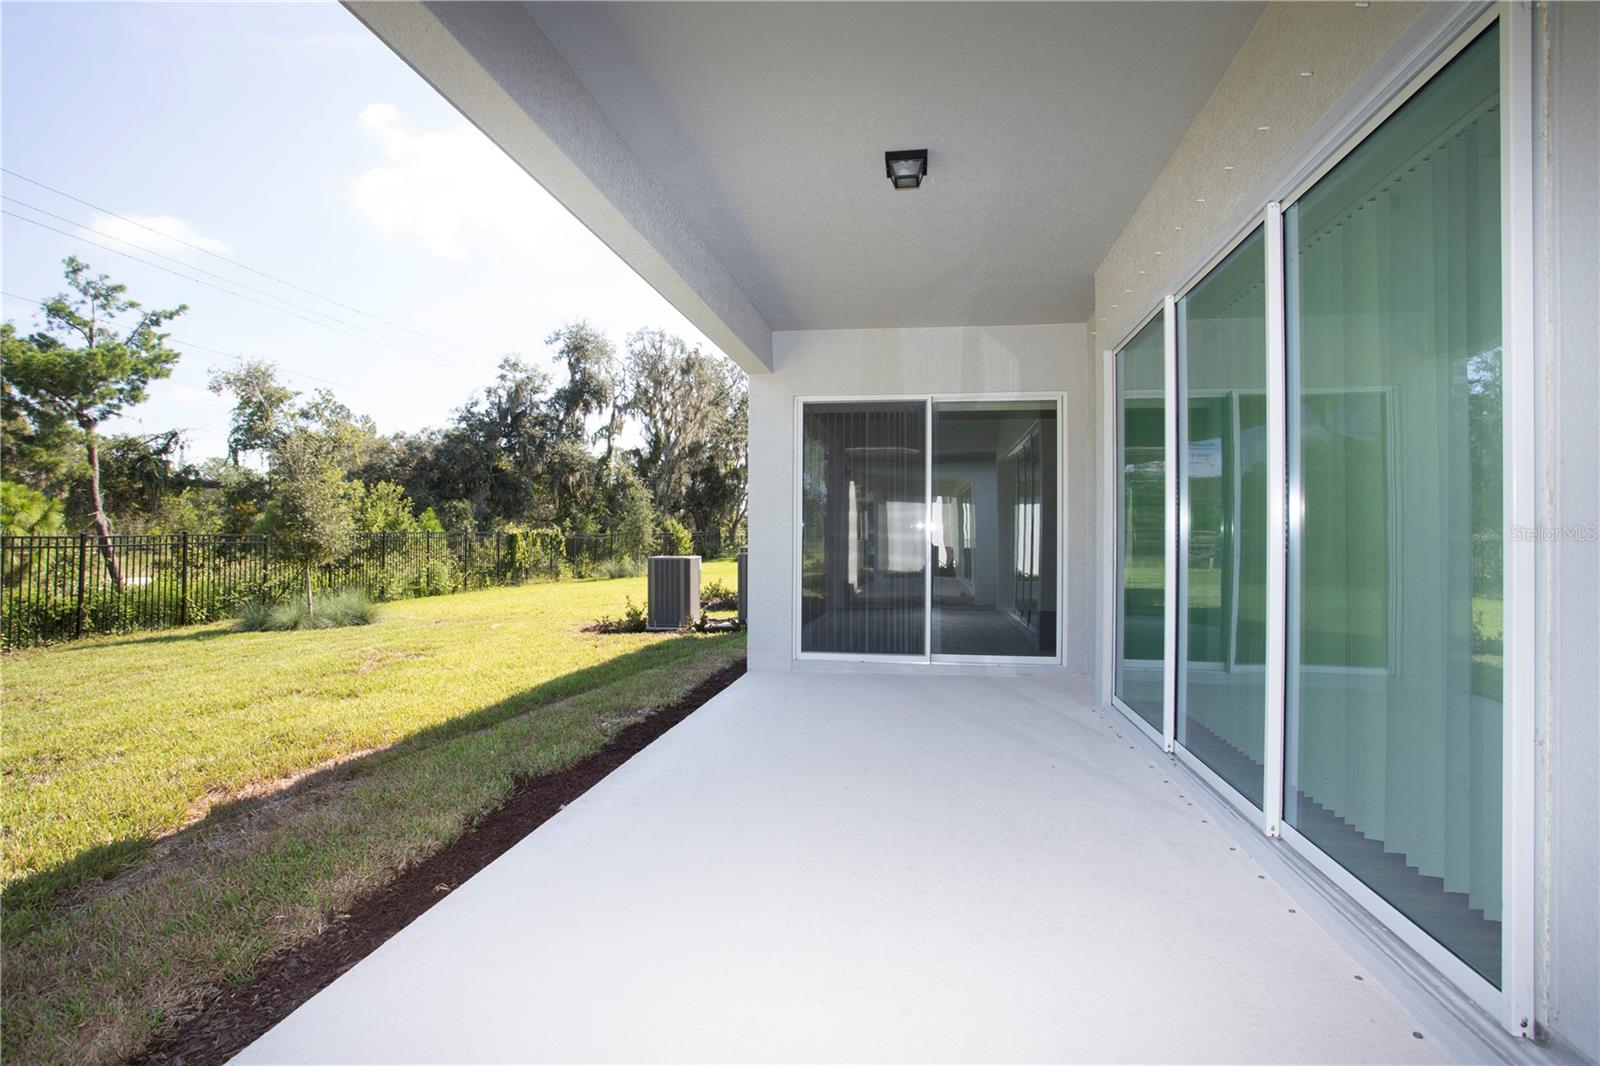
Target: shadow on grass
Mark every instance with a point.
(180, 636)
(26, 902)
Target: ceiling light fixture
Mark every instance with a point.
(906, 169)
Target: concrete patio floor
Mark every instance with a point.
(831, 867)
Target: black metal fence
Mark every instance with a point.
(61, 588)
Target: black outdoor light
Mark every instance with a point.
(906, 169)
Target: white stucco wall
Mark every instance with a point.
(1260, 112)
(975, 360)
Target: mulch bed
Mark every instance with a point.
(236, 1017)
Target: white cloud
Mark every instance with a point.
(166, 234)
(449, 189)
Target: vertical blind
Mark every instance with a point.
(863, 552)
(1394, 767)
(1394, 708)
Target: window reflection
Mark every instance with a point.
(1393, 765)
(1141, 524)
(1222, 353)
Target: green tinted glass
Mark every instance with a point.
(1222, 356)
(1394, 695)
(1142, 523)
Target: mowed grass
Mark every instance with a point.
(168, 763)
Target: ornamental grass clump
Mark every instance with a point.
(622, 566)
(350, 607)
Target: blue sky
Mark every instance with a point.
(288, 139)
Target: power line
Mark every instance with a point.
(211, 274)
(219, 288)
(218, 351)
(287, 370)
(219, 255)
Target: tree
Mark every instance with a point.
(140, 473)
(350, 439)
(93, 375)
(309, 513)
(496, 453)
(46, 456)
(457, 516)
(384, 508)
(678, 394)
(262, 407)
(25, 512)
(239, 498)
(591, 386)
(717, 494)
(631, 514)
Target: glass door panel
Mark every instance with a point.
(1393, 761)
(863, 551)
(1222, 559)
(1142, 524)
(993, 530)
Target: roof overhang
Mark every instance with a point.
(492, 61)
(732, 153)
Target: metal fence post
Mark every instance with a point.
(183, 579)
(83, 560)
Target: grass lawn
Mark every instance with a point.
(179, 805)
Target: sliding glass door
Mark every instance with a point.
(994, 531)
(1141, 484)
(863, 555)
(952, 555)
(1338, 427)
(1393, 767)
(1222, 553)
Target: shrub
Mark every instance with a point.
(526, 551)
(348, 607)
(716, 596)
(632, 621)
(675, 539)
(632, 514)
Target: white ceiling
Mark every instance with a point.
(766, 124)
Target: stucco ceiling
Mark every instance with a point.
(766, 125)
